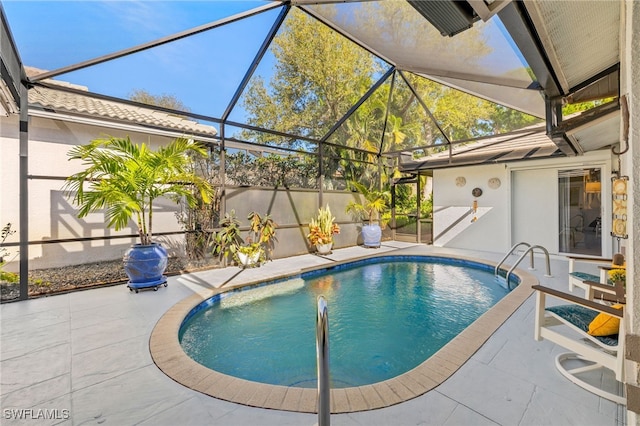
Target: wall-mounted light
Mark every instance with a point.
(592, 187)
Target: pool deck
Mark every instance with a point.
(85, 357)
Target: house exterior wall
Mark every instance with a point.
(493, 229)
(451, 200)
(630, 163)
(52, 216)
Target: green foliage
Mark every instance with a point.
(407, 202)
(319, 75)
(227, 242)
(322, 227)
(4, 234)
(5, 276)
(569, 109)
(9, 277)
(201, 218)
(375, 203)
(272, 170)
(125, 178)
(164, 100)
(228, 239)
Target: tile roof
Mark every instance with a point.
(525, 144)
(49, 98)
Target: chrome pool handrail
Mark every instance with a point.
(530, 250)
(322, 355)
(522, 243)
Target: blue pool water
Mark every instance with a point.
(386, 316)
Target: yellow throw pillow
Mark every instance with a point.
(604, 324)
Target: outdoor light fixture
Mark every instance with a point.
(451, 17)
(592, 187)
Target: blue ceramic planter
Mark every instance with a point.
(145, 266)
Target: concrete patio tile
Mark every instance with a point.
(127, 399)
(34, 367)
(546, 407)
(12, 325)
(188, 412)
(37, 394)
(104, 334)
(430, 409)
(464, 416)
(104, 313)
(98, 365)
(33, 338)
(33, 306)
(511, 379)
(247, 416)
(56, 411)
(496, 395)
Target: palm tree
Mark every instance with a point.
(374, 204)
(125, 178)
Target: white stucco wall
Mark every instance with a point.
(451, 201)
(52, 215)
(493, 229)
(630, 86)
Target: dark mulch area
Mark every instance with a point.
(46, 282)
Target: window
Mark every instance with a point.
(580, 211)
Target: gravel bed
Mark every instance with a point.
(44, 282)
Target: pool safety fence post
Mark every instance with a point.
(322, 352)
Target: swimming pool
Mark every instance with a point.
(170, 358)
(386, 316)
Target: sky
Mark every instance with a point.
(54, 34)
(201, 71)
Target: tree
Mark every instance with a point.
(572, 108)
(319, 75)
(125, 178)
(164, 100)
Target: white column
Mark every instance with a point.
(630, 86)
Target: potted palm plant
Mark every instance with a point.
(125, 178)
(370, 210)
(322, 228)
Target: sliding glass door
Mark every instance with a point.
(580, 211)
